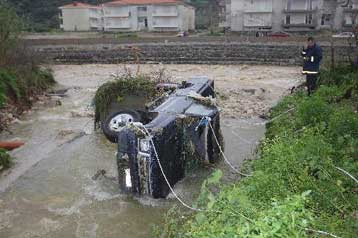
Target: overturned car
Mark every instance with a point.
(159, 143)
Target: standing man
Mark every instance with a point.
(312, 56)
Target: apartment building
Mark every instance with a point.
(130, 15)
(80, 17)
(290, 15)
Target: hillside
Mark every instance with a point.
(41, 15)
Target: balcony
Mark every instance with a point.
(256, 10)
(350, 10)
(302, 25)
(116, 13)
(165, 14)
(165, 24)
(165, 11)
(299, 11)
(122, 15)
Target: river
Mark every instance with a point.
(50, 192)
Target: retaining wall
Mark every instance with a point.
(183, 53)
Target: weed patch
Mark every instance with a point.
(297, 187)
(5, 160)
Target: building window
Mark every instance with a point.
(288, 19)
(142, 9)
(309, 19)
(326, 19)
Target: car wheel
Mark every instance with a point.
(116, 121)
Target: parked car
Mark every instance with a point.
(344, 35)
(156, 147)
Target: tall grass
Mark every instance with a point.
(297, 187)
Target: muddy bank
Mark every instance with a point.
(50, 191)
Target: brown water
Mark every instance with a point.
(50, 191)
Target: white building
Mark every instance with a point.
(129, 15)
(290, 15)
(80, 17)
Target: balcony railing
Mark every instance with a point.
(350, 10)
(165, 14)
(253, 10)
(292, 11)
(122, 15)
(303, 25)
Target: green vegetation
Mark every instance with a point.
(17, 87)
(298, 187)
(42, 15)
(117, 90)
(21, 77)
(5, 160)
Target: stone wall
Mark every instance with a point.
(183, 53)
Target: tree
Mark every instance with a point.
(10, 27)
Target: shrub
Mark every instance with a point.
(301, 152)
(313, 110)
(8, 86)
(5, 160)
(117, 90)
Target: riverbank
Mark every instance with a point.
(49, 192)
(302, 184)
(19, 89)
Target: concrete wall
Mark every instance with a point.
(187, 18)
(76, 19)
(237, 15)
(185, 53)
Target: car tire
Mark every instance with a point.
(112, 124)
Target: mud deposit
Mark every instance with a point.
(50, 192)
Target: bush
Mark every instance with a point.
(8, 86)
(117, 90)
(17, 86)
(5, 160)
(313, 111)
(20, 75)
(301, 153)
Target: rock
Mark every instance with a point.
(64, 133)
(56, 98)
(16, 121)
(250, 91)
(82, 114)
(9, 116)
(250, 111)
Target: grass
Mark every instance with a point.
(295, 189)
(18, 86)
(126, 35)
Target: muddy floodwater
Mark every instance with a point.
(50, 190)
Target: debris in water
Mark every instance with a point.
(99, 173)
(11, 145)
